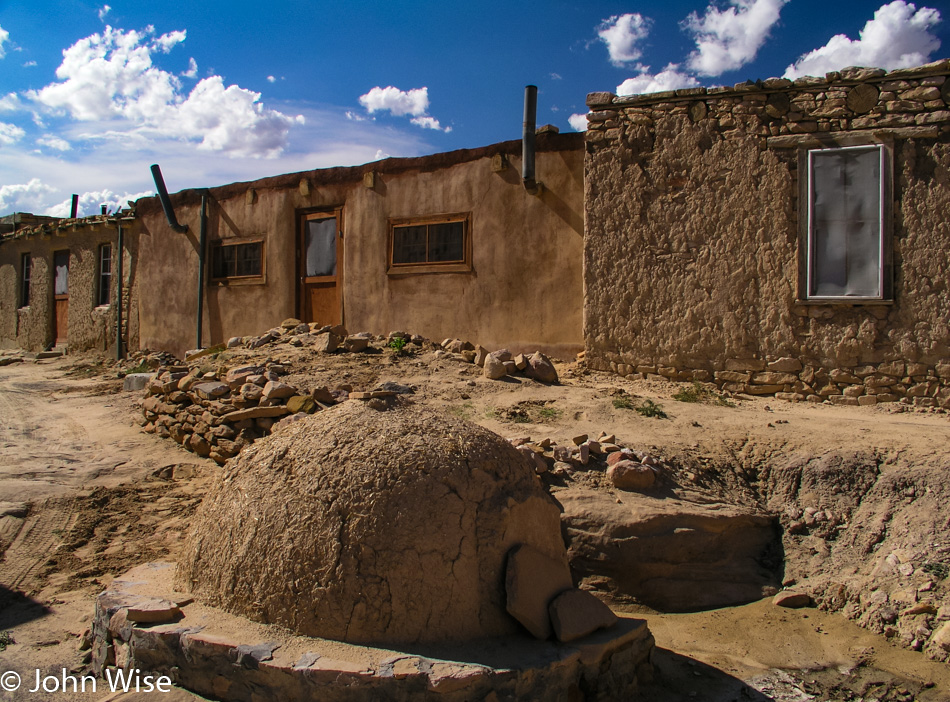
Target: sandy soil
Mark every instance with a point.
(84, 495)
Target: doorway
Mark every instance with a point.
(60, 296)
(320, 256)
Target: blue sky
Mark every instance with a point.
(216, 92)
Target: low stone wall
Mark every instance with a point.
(693, 250)
(789, 379)
(142, 627)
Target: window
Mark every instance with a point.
(244, 260)
(104, 287)
(430, 245)
(26, 273)
(847, 224)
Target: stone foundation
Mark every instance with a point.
(789, 379)
(229, 658)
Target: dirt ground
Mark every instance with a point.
(85, 495)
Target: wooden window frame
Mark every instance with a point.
(254, 279)
(463, 266)
(104, 277)
(806, 237)
(26, 277)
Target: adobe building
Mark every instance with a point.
(62, 280)
(776, 237)
(450, 244)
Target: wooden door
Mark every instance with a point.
(60, 295)
(320, 252)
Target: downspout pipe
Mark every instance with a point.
(528, 139)
(74, 209)
(166, 203)
(119, 351)
(202, 248)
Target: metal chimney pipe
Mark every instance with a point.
(528, 137)
(202, 249)
(74, 210)
(104, 209)
(166, 203)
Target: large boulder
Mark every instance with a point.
(670, 554)
(371, 526)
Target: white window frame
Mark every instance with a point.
(884, 196)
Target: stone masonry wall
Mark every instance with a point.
(691, 264)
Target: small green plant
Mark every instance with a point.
(650, 409)
(549, 413)
(6, 638)
(465, 411)
(398, 345)
(936, 569)
(698, 393)
(723, 401)
(691, 394)
(624, 402)
(142, 367)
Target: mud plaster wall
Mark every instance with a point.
(524, 291)
(89, 327)
(692, 257)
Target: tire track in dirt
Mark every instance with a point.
(37, 540)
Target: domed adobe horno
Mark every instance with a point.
(370, 527)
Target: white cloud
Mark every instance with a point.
(168, 41)
(29, 64)
(555, 76)
(192, 71)
(103, 11)
(399, 102)
(730, 38)
(110, 77)
(898, 36)
(622, 34)
(24, 197)
(4, 36)
(271, 79)
(670, 78)
(380, 155)
(578, 122)
(357, 117)
(54, 142)
(427, 122)
(91, 202)
(10, 134)
(9, 102)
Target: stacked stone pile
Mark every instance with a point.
(325, 338)
(498, 364)
(919, 384)
(626, 468)
(217, 413)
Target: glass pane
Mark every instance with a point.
(105, 259)
(409, 244)
(846, 223)
(248, 259)
(446, 242)
(222, 261)
(61, 276)
(321, 247)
